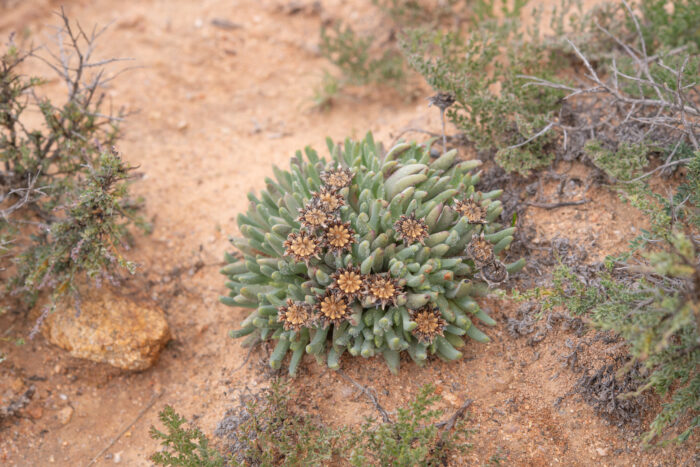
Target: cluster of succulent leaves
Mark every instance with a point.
(70, 187)
(422, 243)
(269, 431)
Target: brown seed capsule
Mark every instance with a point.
(430, 323)
(348, 281)
(295, 315)
(313, 217)
(495, 272)
(382, 288)
(339, 236)
(328, 200)
(473, 211)
(302, 246)
(335, 179)
(480, 250)
(333, 307)
(411, 230)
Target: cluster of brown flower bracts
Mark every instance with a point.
(320, 222)
(411, 230)
(429, 323)
(473, 211)
(491, 268)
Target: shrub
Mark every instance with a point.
(186, 447)
(513, 88)
(368, 255)
(268, 430)
(65, 203)
(651, 297)
(413, 439)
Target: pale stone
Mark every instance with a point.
(110, 328)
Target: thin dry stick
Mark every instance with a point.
(370, 394)
(557, 205)
(116, 438)
(459, 413)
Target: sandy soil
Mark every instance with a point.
(216, 108)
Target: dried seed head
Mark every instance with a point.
(302, 246)
(328, 200)
(473, 211)
(335, 179)
(442, 100)
(430, 323)
(339, 236)
(480, 250)
(295, 315)
(333, 307)
(382, 288)
(495, 272)
(411, 230)
(313, 217)
(348, 281)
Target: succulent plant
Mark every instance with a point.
(367, 255)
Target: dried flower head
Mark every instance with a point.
(348, 281)
(473, 211)
(495, 272)
(411, 230)
(480, 250)
(302, 246)
(295, 315)
(382, 288)
(333, 307)
(335, 179)
(328, 200)
(441, 100)
(339, 236)
(313, 217)
(430, 323)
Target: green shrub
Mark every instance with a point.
(66, 207)
(413, 439)
(186, 447)
(651, 297)
(366, 254)
(269, 430)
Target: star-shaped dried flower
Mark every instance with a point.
(411, 230)
(495, 272)
(339, 236)
(312, 216)
(441, 100)
(430, 323)
(335, 179)
(328, 200)
(333, 307)
(480, 250)
(348, 281)
(302, 246)
(295, 315)
(473, 211)
(382, 288)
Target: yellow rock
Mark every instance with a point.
(110, 328)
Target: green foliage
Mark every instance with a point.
(65, 203)
(352, 54)
(622, 164)
(413, 439)
(273, 434)
(85, 237)
(185, 447)
(413, 278)
(656, 309)
(482, 71)
(269, 430)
